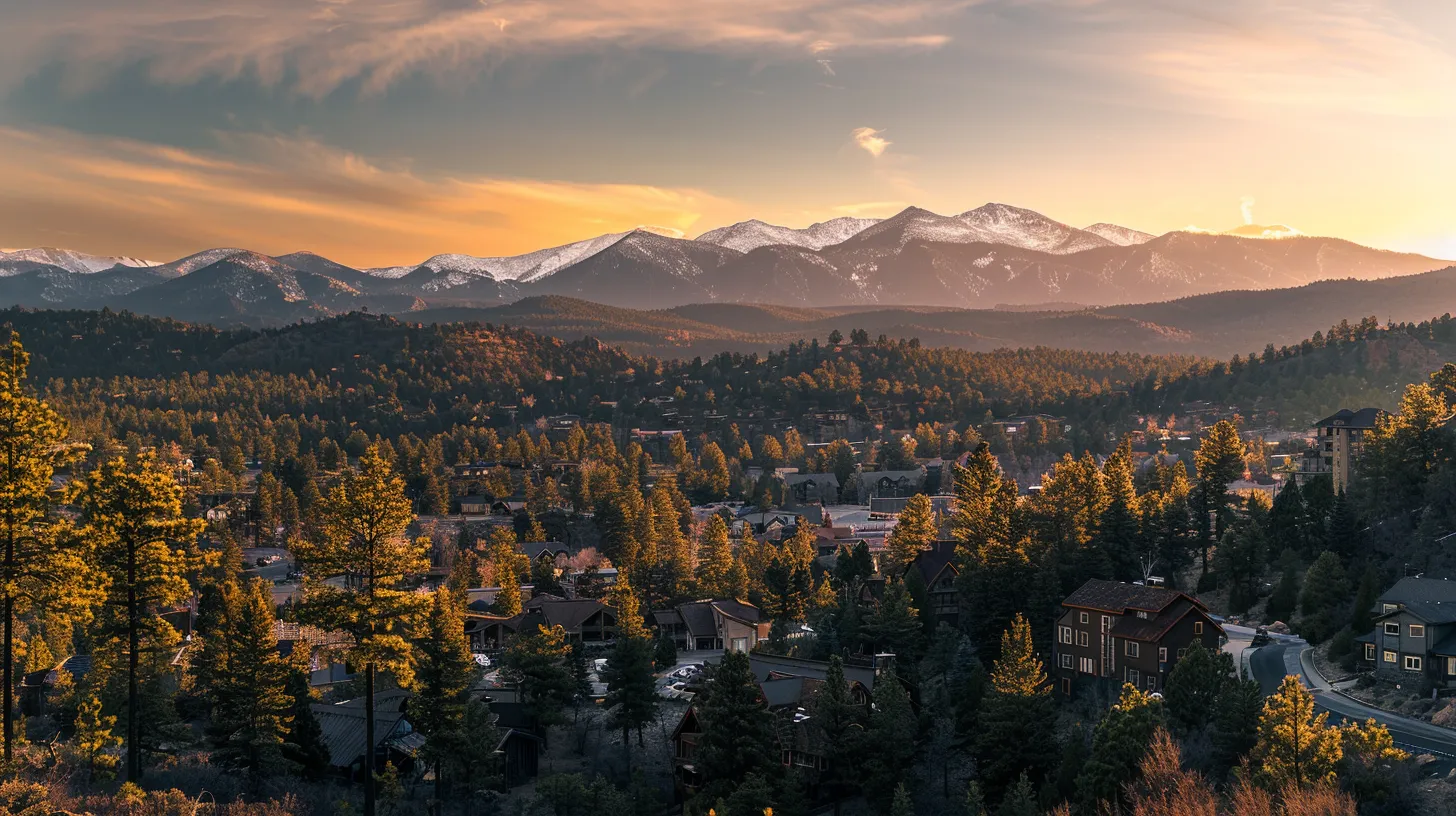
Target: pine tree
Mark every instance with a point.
(1236, 722)
(1020, 799)
(1322, 601)
(444, 672)
(1118, 530)
(840, 722)
(1118, 745)
(539, 663)
(304, 745)
(1287, 520)
(1219, 461)
(1193, 687)
(631, 693)
(133, 519)
(1018, 717)
(1362, 618)
(39, 564)
(713, 477)
(915, 530)
(507, 563)
(93, 736)
(1285, 596)
(738, 737)
(1295, 746)
(715, 561)
(894, 625)
(251, 704)
(902, 806)
(359, 536)
(892, 732)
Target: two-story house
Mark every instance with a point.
(937, 570)
(1415, 632)
(1113, 633)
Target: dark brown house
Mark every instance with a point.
(936, 568)
(1113, 633)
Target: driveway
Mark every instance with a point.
(1270, 664)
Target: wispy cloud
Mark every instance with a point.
(318, 45)
(870, 141)
(279, 194)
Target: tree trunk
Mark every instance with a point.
(9, 674)
(133, 694)
(369, 740)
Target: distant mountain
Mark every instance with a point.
(642, 268)
(982, 258)
(1122, 236)
(747, 236)
(23, 260)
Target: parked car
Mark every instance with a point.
(1261, 637)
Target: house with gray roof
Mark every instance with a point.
(1415, 632)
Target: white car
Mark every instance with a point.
(482, 661)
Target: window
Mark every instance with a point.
(1082, 617)
(1162, 654)
(1067, 686)
(1083, 638)
(1131, 648)
(1134, 676)
(1152, 682)
(1065, 661)
(1416, 630)
(1389, 607)
(1388, 656)
(1198, 627)
(1087, 666)
(1066, 634)
(1412, 663)
(1370, 651)
(1142, 615)
(1106, 623)
(1392, 628)
(1451, 666)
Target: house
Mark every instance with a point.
(1415, 632)
(344, 733)
(891, 506)
(585, 620)
(520, 743)
(474, 505)
(731, 625)
(890, 484)
(812, 488)
(1340, 441)
(936, 568)
(1113, 633)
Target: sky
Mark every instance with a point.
(380, 132)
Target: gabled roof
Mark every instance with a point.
(930, 563)
(1154, 627)
(343, 729)
(767, 666)
(1433, 600)
(569, 615)
(1118, 597)
(1345, 418)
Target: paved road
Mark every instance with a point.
(1271, 663)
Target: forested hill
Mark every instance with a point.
(391, 377)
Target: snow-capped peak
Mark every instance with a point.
(1122, 236)
(747, 236)
(68, 259)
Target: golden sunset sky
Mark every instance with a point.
(381, 132)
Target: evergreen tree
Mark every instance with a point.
(444, 672)
(894, 626)
(892, 732)
(1118, 745)
(133, 519)
(631, 693)
(713, 477)
(1287, 520)
(664, 654)
(359, 536)
(1119, 536)
(1020, 799)
(39, 564)
(93, 738)
(1285, 597)
(507, 564)
(1362, 618)
(738, 737)
(304, 745)
(539, 663)
(902, 806)
(1194, 686)
(840, 722)
(1219, 461)
(251, 704)
(1018, 717)
(992, 546)
(1346, 537)
(1323, 600)
(1295, 746)
(915, 530)
(1236, 722)
(716, 575)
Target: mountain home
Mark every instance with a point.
(1113, 633)
(1415, 632)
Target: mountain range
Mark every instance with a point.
(994, 254)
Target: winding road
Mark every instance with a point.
(1269, 665)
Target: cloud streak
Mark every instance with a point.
(317, 45)
(870, 141)
(280, 194)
